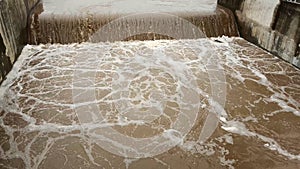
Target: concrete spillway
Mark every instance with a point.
(209, 103)
(72, 22)
(90, 97)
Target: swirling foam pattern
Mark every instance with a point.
(68, 106)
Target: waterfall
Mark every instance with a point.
(151, 19)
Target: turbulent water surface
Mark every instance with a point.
(205, 103)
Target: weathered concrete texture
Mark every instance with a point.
(288, 24)
(13, 31)
(260, 11)
(12, 12)
(288, 21)
(80, 26)
(268, 39)
(270, 26)
(5, 64)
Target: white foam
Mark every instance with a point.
(240, 128)
(180, 68)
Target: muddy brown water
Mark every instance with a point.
(149, 105)
(73, 22)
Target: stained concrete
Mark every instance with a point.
(13, 30)
(5, 64)
(260, 11)
(271, 25)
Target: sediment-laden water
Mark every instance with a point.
(74, 22)
(205, 103)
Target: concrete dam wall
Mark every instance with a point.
(273, 25)
(14, 15)
(133, 84)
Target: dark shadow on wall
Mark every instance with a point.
(15, 18)
(288, 20)
(5, 64)
(281, 38)
(231, 4)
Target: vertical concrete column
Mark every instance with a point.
(13, 16)
(260, 11)
(13, 31)
(270, 24)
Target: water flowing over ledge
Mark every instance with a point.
(79, 21)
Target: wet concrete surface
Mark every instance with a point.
(205, 103)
